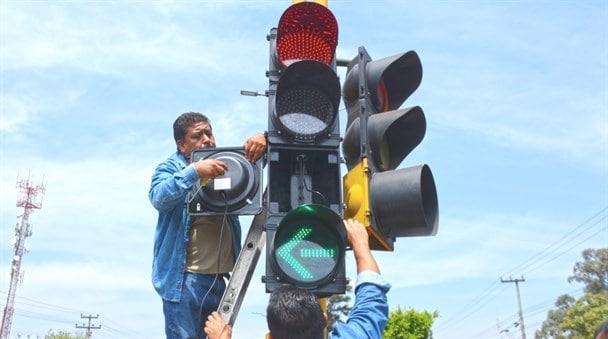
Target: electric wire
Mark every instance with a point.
(566, 251)
(59, 308)
(200, 187)
(106, 327)
(530, 311)
(303, 183)
(41, 316)
(472, 311)
(219, 256)
(56, 308)
(470, 304)
(564, 237)
(458, 317)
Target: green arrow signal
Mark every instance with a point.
(285, 253)
(317, 252)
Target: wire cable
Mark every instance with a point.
(532, 259)
(566, 251)
(219, 256)
(200, 187)
(457, 317)
(303, 183)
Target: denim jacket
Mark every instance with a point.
(369, 315)
(171, 182)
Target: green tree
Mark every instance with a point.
(62, 335)
(338, 307)
(571, 318)
(586, 315)
(409, 324)
(592, 271)
(550, 327)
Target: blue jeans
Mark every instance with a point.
(185, 319)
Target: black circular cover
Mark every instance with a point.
(243, 180)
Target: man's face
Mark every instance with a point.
(198, 135)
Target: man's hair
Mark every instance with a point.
(294, 313)
(602, 329)
(185, 120)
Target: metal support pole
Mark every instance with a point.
(521, 314)
(243, 269)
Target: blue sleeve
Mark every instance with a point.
(369, 315)
(170, 185)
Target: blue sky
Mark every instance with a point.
(516, 99)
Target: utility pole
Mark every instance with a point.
(89, 326)
(23, 230)
(521, 315)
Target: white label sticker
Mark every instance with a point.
(221, 184)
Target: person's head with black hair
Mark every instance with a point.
(602, 331)
(294, 313)
(192, 130)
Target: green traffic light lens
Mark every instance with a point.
(308, 247)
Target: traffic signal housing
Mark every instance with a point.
(304, 86)
(237, 192)
(308, 247)
(304, 229)
(391, 202)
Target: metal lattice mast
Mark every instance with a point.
(28, 201)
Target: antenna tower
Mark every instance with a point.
(28, 201)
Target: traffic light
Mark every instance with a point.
(308, 246)
(237, 192)
(391, 202)
(305, 233)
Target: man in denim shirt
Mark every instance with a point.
(189, 265)
(295, 313)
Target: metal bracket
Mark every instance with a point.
(243, 268)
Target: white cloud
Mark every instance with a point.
(14, 112)
(103, 39)
(485, 247)
(22, 107)
(98, 276)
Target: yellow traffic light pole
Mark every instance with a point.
(320, 2)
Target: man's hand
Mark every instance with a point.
(255, 147)
(210, 168)
(359, 241)
(357, 234)
(216, 327)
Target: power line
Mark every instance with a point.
(117, 331)
(530, 312)
(442, 327)
(52, 307)
(565, 236)
(469, 305)
(41, 316)
(565, 243)
(566, 251)
(487, 292)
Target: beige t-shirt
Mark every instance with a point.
(203, 254)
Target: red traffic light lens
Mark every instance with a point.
(307, 31)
